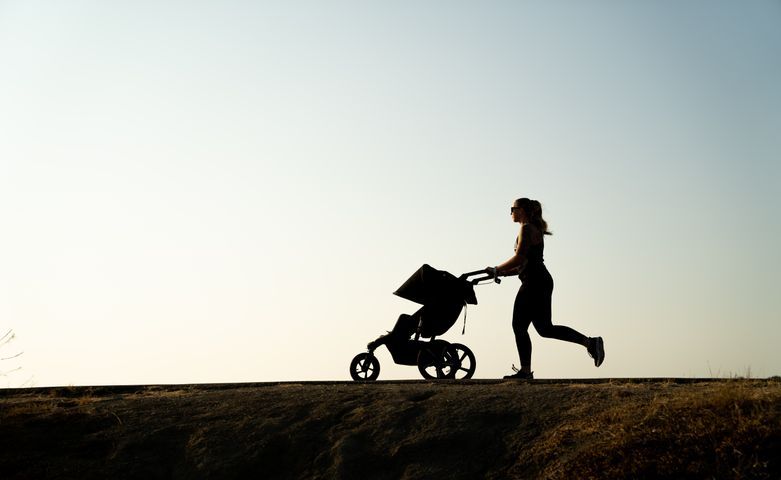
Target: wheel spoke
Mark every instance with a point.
(364, 367)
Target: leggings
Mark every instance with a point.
(533, 306)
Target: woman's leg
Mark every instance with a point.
(559, 332)
(544, 326)
(521, 321)
(595, 345)
(540, 311)
(541, 306)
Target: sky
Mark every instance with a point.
(231, 191)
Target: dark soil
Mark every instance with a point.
(392, 430)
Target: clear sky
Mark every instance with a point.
(231, 191)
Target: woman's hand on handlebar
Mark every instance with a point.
(492, 274)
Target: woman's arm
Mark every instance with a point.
(515, 263)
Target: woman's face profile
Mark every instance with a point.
(517, 214)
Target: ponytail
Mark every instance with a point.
(533, 211)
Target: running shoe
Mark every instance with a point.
(519, 375)
(596, 349)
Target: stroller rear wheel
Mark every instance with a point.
(437, 361)
(465, 361)
(365, 367)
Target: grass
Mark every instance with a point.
(728, 428)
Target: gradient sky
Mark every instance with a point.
(231, 191)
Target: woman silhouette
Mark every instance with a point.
(533, 301)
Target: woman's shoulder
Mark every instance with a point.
(532, 233)
(530, 228)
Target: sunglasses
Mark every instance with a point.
(513, 209)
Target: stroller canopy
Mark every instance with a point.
(429, 286)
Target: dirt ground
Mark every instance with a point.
(396, 430)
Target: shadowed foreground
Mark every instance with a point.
(479, 429)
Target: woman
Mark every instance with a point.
(533, 302)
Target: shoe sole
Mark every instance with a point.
(600, 357)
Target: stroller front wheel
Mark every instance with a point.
(365, 367)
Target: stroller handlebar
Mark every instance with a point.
(488, 274)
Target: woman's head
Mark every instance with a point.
(526, 210)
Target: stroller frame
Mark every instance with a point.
(435, 358)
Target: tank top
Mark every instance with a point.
(534, 260)
(534, 255)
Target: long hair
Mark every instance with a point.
(533, 211)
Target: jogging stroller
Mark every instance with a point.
(442, 296)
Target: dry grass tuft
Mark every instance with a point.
(721, 430)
